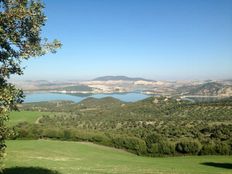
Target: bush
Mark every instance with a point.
(162, 148)
(131, 144)
(53, 133)
(188, 146)
(222, 148)
(208, 149)
(152, 139)
(166, 148)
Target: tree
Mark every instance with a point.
(20, 39)
(188, 146)
(152, 139)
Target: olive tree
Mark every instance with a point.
(21, 22)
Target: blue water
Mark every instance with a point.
(38, 97)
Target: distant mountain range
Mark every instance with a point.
(125, 78)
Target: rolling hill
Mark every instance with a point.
(59, 157)
(207, 89)
(101, 102)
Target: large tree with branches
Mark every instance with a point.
(20, 39)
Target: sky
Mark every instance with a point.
(155, 39)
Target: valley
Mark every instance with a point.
(155, 126)
(78, 130)
(115, 87)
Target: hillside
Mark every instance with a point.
(77, 88)
(156, 126)
(59, 157)
(124, 78)
(92, 102)
(207, 89)
(210, 88)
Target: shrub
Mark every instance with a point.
(188, 146)
(208, 149)
(222, 148)
(131, 144)
(162, 148)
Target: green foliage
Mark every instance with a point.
(151, 139)
(188, 146)
(209, 148)
(166, 148)
(163, 128)
(20, 39)
(223, 148)
(131, 144)
(159, 146)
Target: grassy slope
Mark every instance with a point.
(22, 116)
(74, 158)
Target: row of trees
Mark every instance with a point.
(153, 144)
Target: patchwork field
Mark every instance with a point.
(27, 156)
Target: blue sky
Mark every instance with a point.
(156, 39)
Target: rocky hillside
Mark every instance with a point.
(208, 89)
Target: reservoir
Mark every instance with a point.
(45, 96)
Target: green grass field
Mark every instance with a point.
(24, 116)
(86, 158)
